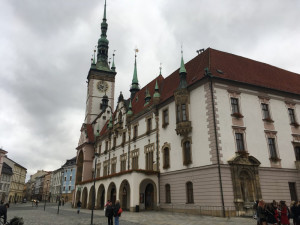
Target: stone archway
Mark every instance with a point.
(148, 194)
(84, 198)
(112, 192)
(100, 197)
(92, 197)
(79, 167)
(124, 195)
(245, 180)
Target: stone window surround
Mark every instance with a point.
(292, 105)
(183, 150)
(165, 123)
(235, 94)
(134, 154)
(277, 161)
(148, 129)
(241, 130)
(147, 149)
(296, 143)
(266, 100)
(166, 145)
(135, 136)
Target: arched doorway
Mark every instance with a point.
(84, 198)
(79, 167)
(124, 195)
(148, 194)
(111, 193)
(92, 197)
(149, 197)
(100, 197)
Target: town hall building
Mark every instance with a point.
(221, 131)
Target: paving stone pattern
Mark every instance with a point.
(68, 216)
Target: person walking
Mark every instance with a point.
(293, 206)
(78, 206)
(109, 213)
(116, 212)
(297, 213)
(3, 212)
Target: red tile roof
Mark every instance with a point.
(235, 68)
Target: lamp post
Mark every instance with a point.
(61, 180)
(46, 195)
(96, 155)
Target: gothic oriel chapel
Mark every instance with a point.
(221, 131)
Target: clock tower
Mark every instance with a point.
(101, 78)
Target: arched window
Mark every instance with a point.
(187, 157)
(120, 117)
(168, 193)
(166, 158)
(189, 192)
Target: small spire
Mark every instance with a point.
(135, 83)
(160, 67)
(94, 60)
(147, 97)
(104, 14)
(182, 67)
(129, 112)
(121, 97)
(156, 93)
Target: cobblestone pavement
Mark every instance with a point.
(68, 216)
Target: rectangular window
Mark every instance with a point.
(297, 153)
(293, 192)
(123, 138)
(70, 177)
(135, 131)
(98, 172)
(65, 178)
(99, 149)
(165, 117)
(149, 160)
(64, 188)
(178, 117)
(69, 188)
(235, 105)
(265, 110)
(105, 170)
(239, 137)
(113, 168)
(149, 124)
(135, 160)
(114, 141)
(183, 110)
(272, 148)
(292, 116)
(123, 165)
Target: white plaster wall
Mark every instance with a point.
(199, 134)
(255, 138)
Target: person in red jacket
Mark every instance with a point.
(284, 218)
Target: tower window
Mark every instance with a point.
(239, 137)
(187, 158)
(292, 116)
(272, 148)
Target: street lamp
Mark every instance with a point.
(62, 176)
(96, 155)
(46, 195)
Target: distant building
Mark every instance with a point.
(35, 185)
(5, 180)
(17, 181)
(68, 184)
(56, 185)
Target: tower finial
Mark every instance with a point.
(135, 83)
(113, 67)
(182, 67)
(104, 14)
(160, 67)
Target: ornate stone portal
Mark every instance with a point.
(245, 180)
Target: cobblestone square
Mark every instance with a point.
(68, 216)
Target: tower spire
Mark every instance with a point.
(102, 54)
(113, 67)
(135, 83)
(182, 73)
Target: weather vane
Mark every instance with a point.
(136, 51)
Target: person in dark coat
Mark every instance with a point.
(3, 212)
(116, 212)
(78, 206)
(297, 213)
(109, 213)
(270, 214)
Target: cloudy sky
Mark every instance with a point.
(46, 46)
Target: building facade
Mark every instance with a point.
(5, 180)
(214, 133)
(68, 183)
(56, 185)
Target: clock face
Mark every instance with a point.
(102, 86)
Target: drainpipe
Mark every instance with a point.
(208, 73)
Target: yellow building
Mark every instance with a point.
(17, 182)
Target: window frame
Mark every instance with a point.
(165, 117)
(240, 142)
(168, 193)
(189, 192)
(187, 160)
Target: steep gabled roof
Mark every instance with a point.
(223, 65)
